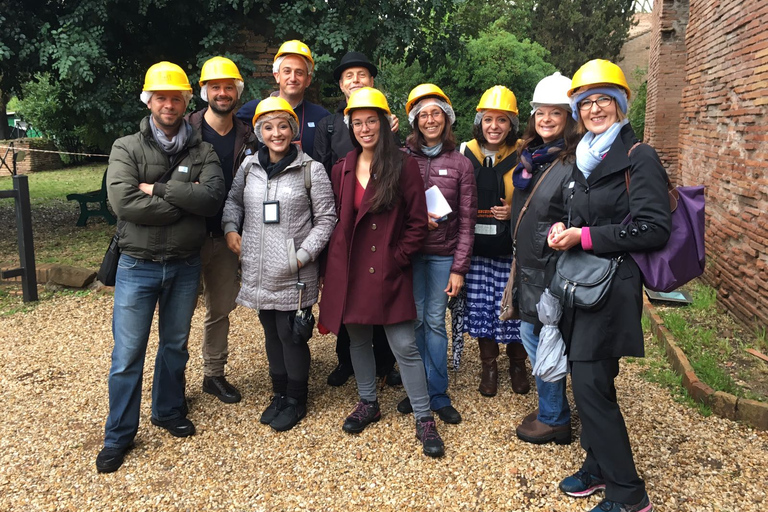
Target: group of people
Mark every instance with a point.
(310, 206)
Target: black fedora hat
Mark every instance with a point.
(354, 60)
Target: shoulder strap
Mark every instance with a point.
(527, 202)
(308, 187)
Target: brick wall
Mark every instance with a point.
(33, 161)
(724, 145)
(718, 134)
(635, 52)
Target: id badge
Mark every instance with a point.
(271, 212)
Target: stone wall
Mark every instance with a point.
(33, 161)
(707, 116)
(635, 52)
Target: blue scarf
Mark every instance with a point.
(593, 148)
(433, 151)
(523, 173)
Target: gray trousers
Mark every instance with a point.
(220, 289)
(402, 341)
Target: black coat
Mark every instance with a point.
(332, 139)
(535, 259)
(601, 202)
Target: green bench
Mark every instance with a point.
(97, 197)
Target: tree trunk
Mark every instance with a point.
(4, 131)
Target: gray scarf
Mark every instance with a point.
(174, 145)
(433, 151)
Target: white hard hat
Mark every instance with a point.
(552, 90)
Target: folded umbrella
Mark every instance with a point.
(551, 362)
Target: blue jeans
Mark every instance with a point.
(553, 404)
(430, 277)
(140, 285)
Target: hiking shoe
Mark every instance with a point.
(221, 389)
(177, 427)
(449, 415)
(426, 432)
(340, 375)
(404, 406)
(645, 505)
(581, 484)
(273, 409)
(533, 415)
(364, 414)
(536, 432)
(109, 460)
(289, 416)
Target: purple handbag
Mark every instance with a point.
(682, 258)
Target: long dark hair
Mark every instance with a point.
(570, 135)
(386, 166)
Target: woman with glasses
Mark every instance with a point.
(368, 278)
(597, 201)
(492, 154)
(546, 158)
(439, 267)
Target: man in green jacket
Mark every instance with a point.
(162, 182)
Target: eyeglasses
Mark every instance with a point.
(370, 123)
(434, 115)
(602, 102)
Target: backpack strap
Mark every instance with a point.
(308, 187)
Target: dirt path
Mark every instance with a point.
(53, 368)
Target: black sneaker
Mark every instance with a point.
(426, 432)
(581, 484)
(289, 416)
(645, 505)
(221, 389)
(449, 415)
(340, 375)
(364, 414)
(404, 406)
(109, 460)
(273, 409)
(179, 427)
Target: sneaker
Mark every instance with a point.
(364, 414)
(536, 432)
(404, 406)
(273, 409)
(645, 505)
(426, 432)
(221, 389)
(449, 415)
(109, 460)
(291, 413)
(340, 375)
(178, 427)
(581, 484)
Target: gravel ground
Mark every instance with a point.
(53, 390)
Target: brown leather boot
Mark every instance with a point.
(518, 371)
(489, 378)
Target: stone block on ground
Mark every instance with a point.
(73, 277)
(753, 413)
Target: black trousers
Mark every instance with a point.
(385, 359)
(288, 361)
(603, 431)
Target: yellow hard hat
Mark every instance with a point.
(217, 68)
(367, 97)
(421, 91)
(273, 104)
(498, 97)
(166, 76)
(294, 47)
(598, 71)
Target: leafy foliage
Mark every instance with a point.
(636, 112)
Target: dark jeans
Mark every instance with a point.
(385, 359)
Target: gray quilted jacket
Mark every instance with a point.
(270, 252)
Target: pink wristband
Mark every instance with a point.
(586, 239)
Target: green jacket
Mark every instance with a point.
(169, 224)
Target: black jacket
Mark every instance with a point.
(332, 139)
(601, 202)
(535, 259)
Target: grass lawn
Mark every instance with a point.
(56, 237)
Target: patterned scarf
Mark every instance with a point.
(171, 146)
(523, 173)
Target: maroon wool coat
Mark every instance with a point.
(368, 277)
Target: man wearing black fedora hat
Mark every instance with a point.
(332, 141)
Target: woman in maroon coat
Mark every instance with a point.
(368, 277)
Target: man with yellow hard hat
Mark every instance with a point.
(162, 183)
(292, 68)
(221, 85)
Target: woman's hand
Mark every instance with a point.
(432, 221)
(561, 239)
(503, 212)
(455, 282)
(233, 242)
